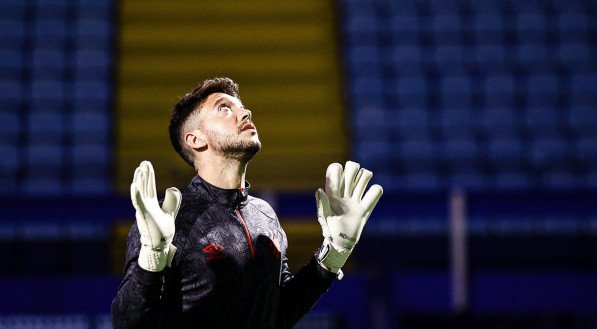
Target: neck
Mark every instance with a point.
(223, 172)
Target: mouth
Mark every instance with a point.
(248, 126)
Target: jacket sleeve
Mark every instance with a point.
(299, 292)
(137, 302)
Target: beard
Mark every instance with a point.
(231, 146)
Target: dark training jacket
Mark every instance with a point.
(230, 269)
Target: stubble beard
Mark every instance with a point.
(231, 146)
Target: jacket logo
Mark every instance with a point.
(213, 251)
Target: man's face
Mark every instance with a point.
(228, 127)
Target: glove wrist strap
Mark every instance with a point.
(156, 260)
(333, 257)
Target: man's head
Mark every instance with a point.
(212, 117)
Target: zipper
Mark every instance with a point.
(242, 221)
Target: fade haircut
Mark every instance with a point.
(187, 109)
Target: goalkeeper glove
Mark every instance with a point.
(342, 211)
(156, 225)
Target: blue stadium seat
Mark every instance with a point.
(420, 151)
(411, 91)
(511, 179)
(506, 151)
(583, 120)
(364, 61)
(548, 150)
(93, 32)
(10, 127)
(48, 155)
(9, 161)
(498, 121)
(47, 90)
(410, 122)
(91, 90)
(12, 32)
(456, 91)
(530, 27)
(42, 185)
(583, 88)
(541, 120)
(572, 26)
(363, 89)
(91, 63)
(371, 122)
(55, 9)
(96, 9)
(375, 151)
(47, 124)
(561, 179)
(586, 149)
(461, 151)
(407, 58)
(573, 53)
(499, 89)
(48, 63)
(404, 29)
(13, 9)
(533, 54)
(468, 178)
(457, 122)
(542, 90)
(51, 33)
(11, 64)
(488, 28)
(91, 154)
(489, 55)
(91, 125)
(449, 58)
(446, 28)
(361, 26)
(10, 95)
(421, 180)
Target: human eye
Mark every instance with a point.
(224, 108)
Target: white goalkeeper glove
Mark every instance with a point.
(156, 225)
(342, 211)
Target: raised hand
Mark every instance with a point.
(343, 210)
(156, 225)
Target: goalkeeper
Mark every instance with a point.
(212, 256)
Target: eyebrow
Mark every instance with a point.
(223, 99)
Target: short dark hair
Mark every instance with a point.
(187, 105)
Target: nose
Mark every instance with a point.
(246, 114)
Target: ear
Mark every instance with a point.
(195, 139)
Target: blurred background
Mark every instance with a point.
(479, 119)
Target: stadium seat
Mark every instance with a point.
(49, 63)
(51, 33)
(11, 63)
(12, 32)
(47, 124)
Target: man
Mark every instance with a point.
(225, 266)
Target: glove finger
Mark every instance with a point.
(172, 202)
(371, 198)
(323, 210)
(362, 180)
(150, 180)
(350, 172)
(135, 189)
(333, 177)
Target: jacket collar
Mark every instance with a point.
(227, 197)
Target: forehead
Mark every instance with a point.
(218, 98)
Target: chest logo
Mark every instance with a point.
(214, 251)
